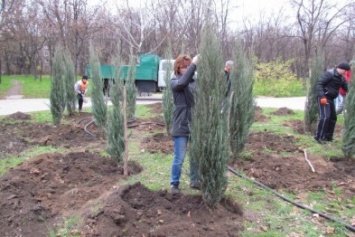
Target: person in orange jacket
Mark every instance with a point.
(327, 90)
(81, 88)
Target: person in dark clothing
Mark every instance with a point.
(327, 90)
(227, 69)
(183, 86)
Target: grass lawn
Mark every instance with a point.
(32, 88)
(272, 216)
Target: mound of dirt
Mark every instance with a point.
(156, 108)
(279, 164)
(36, 193)
(284, 111)
(136, 211)
(159, 142)
(259, 116)
(19, 116)
(296, 125)
(267, 140)
(10, 140)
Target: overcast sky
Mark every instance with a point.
(246, 9)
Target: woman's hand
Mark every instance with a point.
(196, 59)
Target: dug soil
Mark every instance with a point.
(40, 195)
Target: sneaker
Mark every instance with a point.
(320, 141)
(175, 189)
(195, 186)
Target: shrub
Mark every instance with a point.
(57, 95)
(349, 120)
(209, 144)
(115, 125)
(168, 104)
(242, 104)
(311, 107)
(69, 82)
(276, 79)
(131, 89)
(99, 108)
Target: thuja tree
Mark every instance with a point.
(168, 103)
(209, 145)
(131, 89)
(349, 120)
(99, 108)
(242, 103)
(311, 106)
(69, 81)
(115, 123)
(57, 94)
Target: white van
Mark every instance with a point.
(164, 65)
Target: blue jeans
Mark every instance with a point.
(339, 103)
(180, 148)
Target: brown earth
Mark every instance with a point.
(38, 195)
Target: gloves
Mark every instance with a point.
(195, 59)
(323, 101)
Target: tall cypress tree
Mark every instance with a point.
(242, 103)
(69, 83)
(349, 119)
(209, 144)
(115, 126)
(311, 107)
(168, 103)
(57, 95)
(131, 88)
(99, 108)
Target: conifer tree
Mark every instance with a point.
(131, 89)
(99, 108)
(115, 126)
(242, 103)
(57, 95)
(349, 119)
(70, 80)
(311, 107)
(209, 145)
(168, 103)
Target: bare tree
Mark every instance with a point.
(72, 24)
(317, 20)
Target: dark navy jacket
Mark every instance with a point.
(183, 87)
(329, 83)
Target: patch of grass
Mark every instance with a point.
(9, 162)
(42, 117)
(156, 170)
(294, 88)
(31, 88)
(5, 85)
(12, 161)
(143, 111)
(68, 229)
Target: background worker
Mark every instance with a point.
(327, 90)
(227, 69)
(340, 100)
(81, 88)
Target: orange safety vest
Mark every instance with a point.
(83, 86)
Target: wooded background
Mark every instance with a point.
(30, 30)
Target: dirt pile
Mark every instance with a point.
(137, 211)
